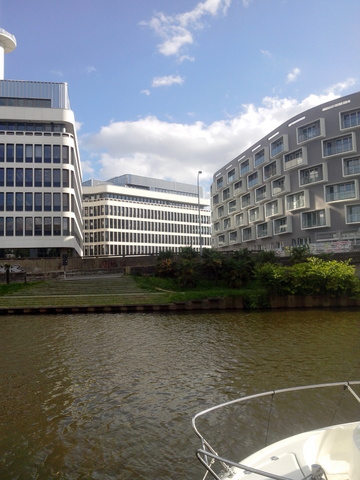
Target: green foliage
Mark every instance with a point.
(313, 277)
(187, 273)
(266, 256)
(212, 264)
(188, 253)
(299, 253)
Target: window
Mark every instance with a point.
(260, 194)
(281, 225)
(238, 186)
(38, 177)
(277, 146)
(245, 200)
(244, 167)
(28, 202)
(259, 158)
(294, 159)
(65, 154)
(47, 177)
(255, 214)
(38, 202)
(311, 175)
(220, 182)
(2, 177)
(233, 236)
(19, 201)
(9, 201)
(314, 219)
(47, 153)
(19, 226)
(353, 214)
(56, 226)
(9, 177)
(272, 208)
(232, 206)
(337, 145)
(47, 226)
(278, 186)
(56, 177)
(65, 199)
(221, 211)
(28, 226)
(270, 170)
(19, 153)
(216, 226)
(19, 177)
(341, 191)
(239, 219)
(38, 153)
(221, 239)
(38, 226)
(247, 234)
(28, 153)
(309, 131)
(56, 202)
(226, 223)
(47, 202)
(2, 152)
(351, 166)
(262, 230)
(295, 201)
(28, 177)
(231, 175)
(56, 153)
(9, 152)
(350, 119)
(253, 179)
(226, 194)
(9, 226)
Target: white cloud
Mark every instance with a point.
(170, 150)
(167, 81)
(90, 69)
(146, 92)
(177, 31)
(266, 53)
(292, 76)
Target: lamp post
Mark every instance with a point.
(198, 191)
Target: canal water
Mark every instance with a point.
(112, 396)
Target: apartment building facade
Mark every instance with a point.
(135, 215)
(297, 185)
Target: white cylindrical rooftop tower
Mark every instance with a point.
(7, 44)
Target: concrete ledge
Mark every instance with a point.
(229, 303)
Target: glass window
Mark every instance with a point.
(278, 186)
(28, 226)
(247, 234)
(311, 175)
(231, 175)
(38, 202)
(38, 226)
(9, 177)
(352, 213)
(260, 194)
(19, 201)
(66, 205)
(56, 177)
(269, 170)
(2, 177)
(28, 202)
(272, 208)
(19, 177)
(9, 152)
(226, 194)
(245, 200)
(56, 153)
(65, 154)
(9, 201)
(232, 206)
(66, 228)
(259, 158)
(56, 226)
(2, 200)
(47, 177)
(65, 178)
(352, 166)
(28, 177)
(38, 153)
(19, 226)
(244, 167)
(239, 219)
(47, 153)
(56, 202)
(220, 211)
(226, 223)
(277, 146)
(28, 153)
(233, 236)
(341, 191)
(47, 226)
(262, 230)
(337, 145)
(47, 202)
(1, 226)
(2, 152)
(350, 119)
(253, 179)
(293, 159)
(38, 177)
(313, 219)
(307, 132)
(19, 153)
(280, 225)
(9, 226)
(295, 201)
(238, 185)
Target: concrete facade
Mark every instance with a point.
(298, 185)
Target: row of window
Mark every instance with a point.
(132, 249)
(131, 237)
(333, 146)
(36, 202)
(31, 126)
(20, 153)
(110, 223)
(133, 212)
(36, 177)
(34, 226)
(313, 219)
(137, 199)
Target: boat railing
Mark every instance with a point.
(208, 456)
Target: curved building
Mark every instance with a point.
(298, 185)
(40, 172)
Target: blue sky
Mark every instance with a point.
(165, 88)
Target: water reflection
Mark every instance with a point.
(112, 396)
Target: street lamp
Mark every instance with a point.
(198, 191)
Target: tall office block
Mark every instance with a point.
(40, 172)
(298, 185)
(135, 215)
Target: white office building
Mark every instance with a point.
(135, 215)
(40, 172)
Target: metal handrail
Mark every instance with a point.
(208, 451)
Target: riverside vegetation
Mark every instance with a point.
(256, 276)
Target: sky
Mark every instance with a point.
(167, 88)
